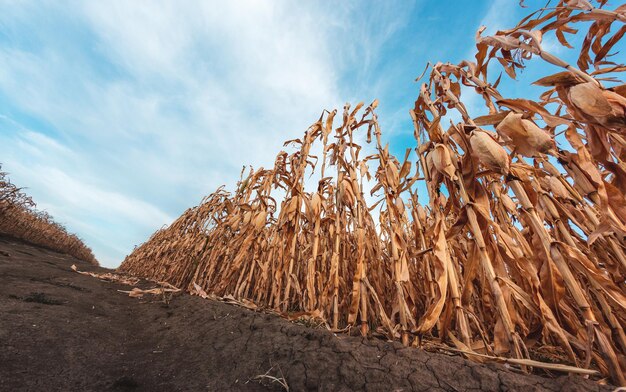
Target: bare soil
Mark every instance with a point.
(62, 331)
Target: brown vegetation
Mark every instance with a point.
(519, 251)
(20, 219)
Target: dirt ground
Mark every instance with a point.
(62, 331)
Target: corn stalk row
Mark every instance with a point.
(20, 219)
(518, 251)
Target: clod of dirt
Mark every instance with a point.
(40, 298)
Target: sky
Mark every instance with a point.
(117, 116)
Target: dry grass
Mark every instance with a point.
(519, 249)
(20, 219)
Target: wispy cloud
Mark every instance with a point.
(500, 15)
(119, 115)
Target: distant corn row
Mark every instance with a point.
(20, 219)
(519, 251)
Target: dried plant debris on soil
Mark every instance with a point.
(98, 339)
(518, 251)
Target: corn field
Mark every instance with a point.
(519, 250)
(20, 219)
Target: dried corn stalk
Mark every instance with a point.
(20, 219)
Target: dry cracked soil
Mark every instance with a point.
(62, 331)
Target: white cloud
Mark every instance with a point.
(500, 15)
(141, 108)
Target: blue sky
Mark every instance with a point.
(119, 115)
